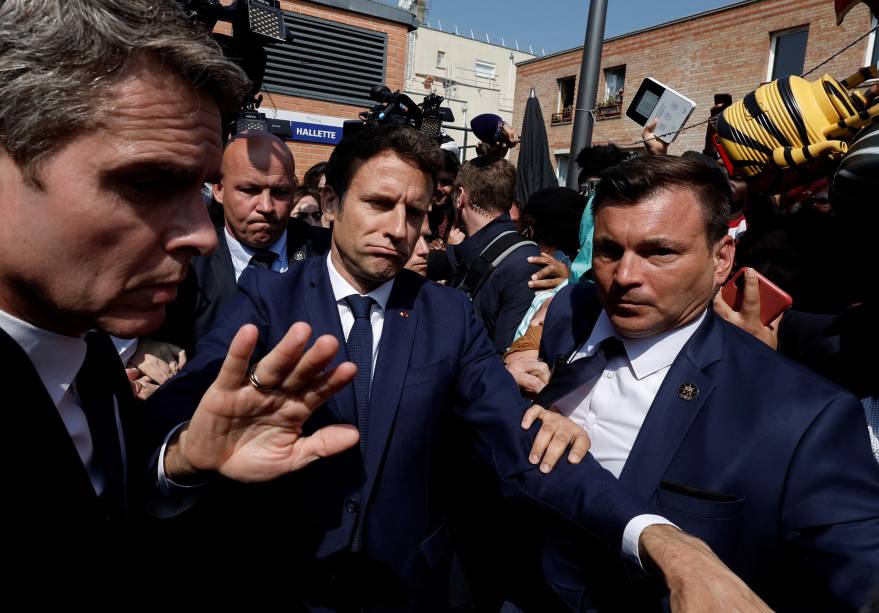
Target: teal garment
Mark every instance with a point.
(539, 298)
(583, 262)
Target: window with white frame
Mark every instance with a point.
(614, 82)
(787, 53)
(485, 70)
(440, 59)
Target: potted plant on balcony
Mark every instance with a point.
(611, 107)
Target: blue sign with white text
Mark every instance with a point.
(316, 133)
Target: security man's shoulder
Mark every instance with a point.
(778, 374)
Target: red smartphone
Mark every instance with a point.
(773, 300)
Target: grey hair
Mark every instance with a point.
(59, 59)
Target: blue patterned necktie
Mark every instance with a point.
(359, 348)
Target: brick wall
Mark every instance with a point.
(723, 52)
(308, 154)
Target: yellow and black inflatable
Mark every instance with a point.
(790, 128)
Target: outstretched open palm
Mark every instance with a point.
(249, 434)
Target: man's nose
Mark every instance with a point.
(629, 270)
(396, 226)
(264, 203)
(191, 229)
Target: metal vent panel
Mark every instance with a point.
(326, 61)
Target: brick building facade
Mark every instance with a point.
(728, 50)
(394, 23)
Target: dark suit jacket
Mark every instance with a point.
(505, 297)
(770, 464)
(210, 283)
(436, 371)
(51, 484)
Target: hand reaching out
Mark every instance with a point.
(252, 435)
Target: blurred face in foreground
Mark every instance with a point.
(652, 263)
(106, 237)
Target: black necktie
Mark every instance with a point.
(359, 348)
(263, 259)
(95, 391)
(566, 377)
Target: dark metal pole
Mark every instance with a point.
(587, 90)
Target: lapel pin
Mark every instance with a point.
(299, 256)
(688, 391)
(404, 314)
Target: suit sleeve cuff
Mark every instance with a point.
(168, 487)
(632, 535)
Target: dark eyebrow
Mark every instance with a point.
(174, 172)
(377, 197)
(663, 242)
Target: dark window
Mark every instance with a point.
(566, 93)
(326, 61)
(789, 54)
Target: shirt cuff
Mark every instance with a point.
(167, 487)
(632, 534)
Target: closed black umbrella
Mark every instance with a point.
(534, 170)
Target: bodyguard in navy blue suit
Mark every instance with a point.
(367, 528)
(762, 459)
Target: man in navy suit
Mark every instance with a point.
(255, 192)
(102, 211)
(767, 462)
(369, 527)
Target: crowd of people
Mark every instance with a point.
(427, 395)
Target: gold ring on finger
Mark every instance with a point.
(254, 381)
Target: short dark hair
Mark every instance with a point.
(369, 142)
(642, 177)
(593, 160)
(490, 184)
(554, 213)
(313, 175)
(451, 163)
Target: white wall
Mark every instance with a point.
(457, 79)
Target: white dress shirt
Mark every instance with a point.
(342, 289)
(612, 405)
(57, 360)
(242, 254)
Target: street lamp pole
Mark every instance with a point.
(587, 89)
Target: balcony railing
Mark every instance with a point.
(608, 110)
(566, 116)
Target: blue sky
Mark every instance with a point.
(554, 24)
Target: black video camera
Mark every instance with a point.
(255, 24)
(398, 108)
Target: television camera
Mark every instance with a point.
(398, 108)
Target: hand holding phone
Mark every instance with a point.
(753, 303)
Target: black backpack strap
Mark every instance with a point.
(490, 258)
